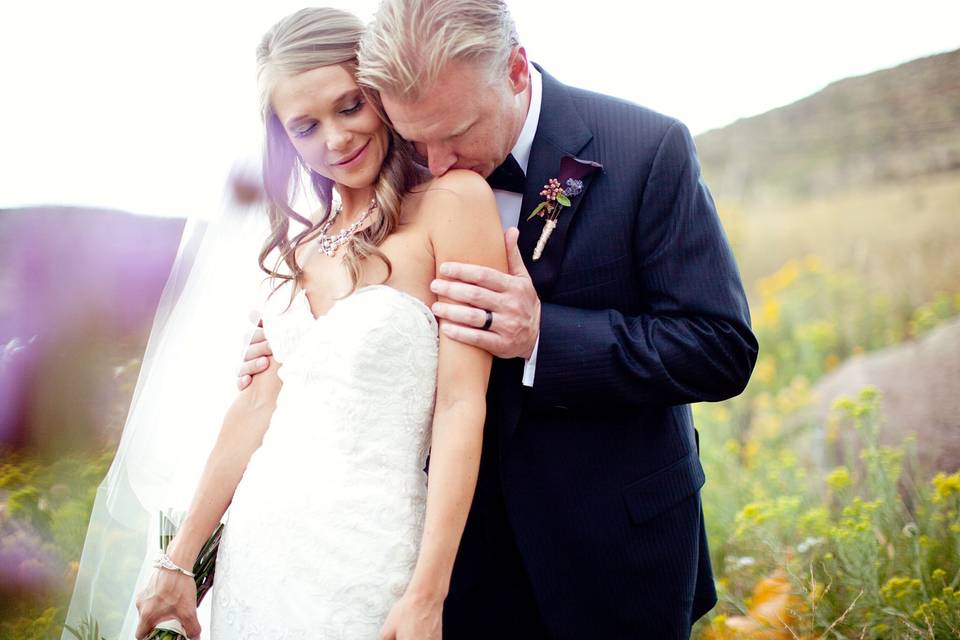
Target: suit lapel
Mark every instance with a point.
(560, 132)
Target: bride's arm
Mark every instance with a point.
(242, 432)
(170, 594)
(465, 227)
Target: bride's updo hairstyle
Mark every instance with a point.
(306, 40)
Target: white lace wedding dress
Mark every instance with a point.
(323, 533)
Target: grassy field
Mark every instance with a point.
(900, 239)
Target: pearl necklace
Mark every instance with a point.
(329, 244)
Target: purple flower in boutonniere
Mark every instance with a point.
(558, 193)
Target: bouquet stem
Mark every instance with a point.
(203, 570)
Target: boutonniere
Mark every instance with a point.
(559, 193)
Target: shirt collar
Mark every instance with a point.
(521, 150)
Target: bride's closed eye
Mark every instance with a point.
(354, 109)
(303, 132)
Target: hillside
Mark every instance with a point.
(892, 124)
(57, 260)
(78, 292)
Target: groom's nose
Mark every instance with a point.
(440, 159)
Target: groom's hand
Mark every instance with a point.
(509, 296)
(256, 359)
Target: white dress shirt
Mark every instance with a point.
(508, 202)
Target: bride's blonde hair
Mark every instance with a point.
(306, 40)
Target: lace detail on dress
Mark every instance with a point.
(324, 529)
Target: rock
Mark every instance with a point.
(919, 383)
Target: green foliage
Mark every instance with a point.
(47, 506)
(863, 549)
(25, 503)
(13, 475)
(943, 307)
(89, 630)
(41, 627)
(868, 551)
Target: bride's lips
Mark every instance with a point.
(353, 158)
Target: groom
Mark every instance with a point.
(586, 522)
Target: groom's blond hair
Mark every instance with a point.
(411, 41)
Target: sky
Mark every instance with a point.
(145, 107)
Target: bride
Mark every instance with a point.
(333, 530)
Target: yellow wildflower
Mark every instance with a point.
(769, 313)
(945, 486)
(731, 448)
(844, 404)
(773, 609)
(813, 263)
(833, 428)
(838, 479)
(831, 361)
(750, 452)
(765, 370)
(869, 393)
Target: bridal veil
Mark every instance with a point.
(186, 383)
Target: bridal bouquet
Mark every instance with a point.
(203, 568)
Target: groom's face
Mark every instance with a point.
(466, 120)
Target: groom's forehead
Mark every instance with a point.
(444, 107)
(434, 116)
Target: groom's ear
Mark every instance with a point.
(519, 71)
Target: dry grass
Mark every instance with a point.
(902, 237)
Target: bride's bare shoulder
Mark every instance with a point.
(459, 216)
(455, 195)
(458, 183)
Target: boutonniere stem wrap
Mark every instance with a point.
(558, 193)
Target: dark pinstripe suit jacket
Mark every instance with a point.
(643, 313)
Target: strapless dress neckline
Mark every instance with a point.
(301, 295)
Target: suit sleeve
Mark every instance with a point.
(693, 341)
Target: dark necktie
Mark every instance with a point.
(508, 176)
